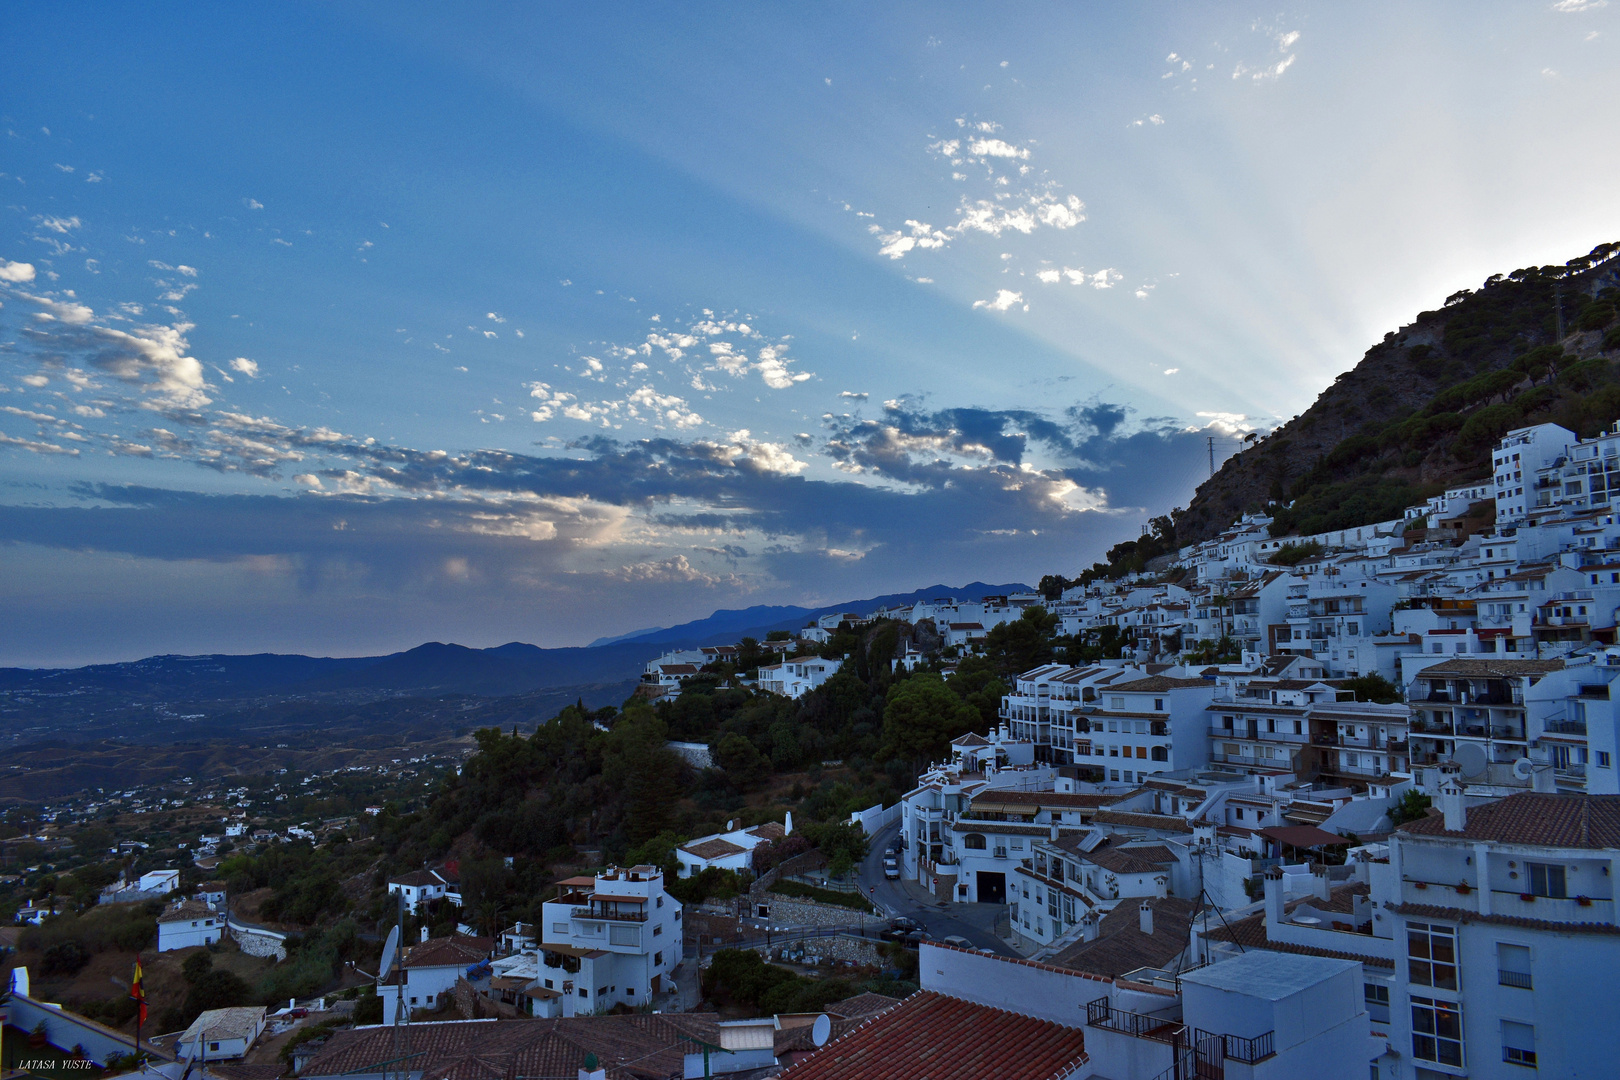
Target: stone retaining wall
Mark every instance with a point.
(843, 949)
(784, 911)
(253, 944)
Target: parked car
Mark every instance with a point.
(899, 927)
(959, 941)
(916, 937)
(891, 869)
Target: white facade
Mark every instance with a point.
(423, 887)
(796, 677)
(1517, 459)
(622, 935)
(189, 924)
(730, 850)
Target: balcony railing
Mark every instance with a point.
(1520, 979)
(612, 915)
(1566, 727)
(1247, 1051)
(1101, 1013)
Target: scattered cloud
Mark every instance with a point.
(1005, 299)
(247, 367)
(253, 204)
(18, 273)
(1570, 7)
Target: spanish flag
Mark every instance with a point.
(138, 991)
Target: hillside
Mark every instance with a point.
(1423, 407)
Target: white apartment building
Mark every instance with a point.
(425, 975)
(1508, 950)
(611, 939)
(1518, 460)
(1145, 727)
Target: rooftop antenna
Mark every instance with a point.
(389, 955)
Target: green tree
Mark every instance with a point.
(920, 718)
(1412, 806)
(1373, 687)
(1015, 647)
(741, 760)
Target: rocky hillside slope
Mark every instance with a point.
(1421, 410)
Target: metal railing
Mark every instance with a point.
(1236, 1048)
(1101, 1013)
(1520, 979)
(610, 916)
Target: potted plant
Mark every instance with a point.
(1584, 901)
(36, 1038)
(1527, 897)
(1420, 884)
(1463, 888)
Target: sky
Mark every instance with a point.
(335, 328)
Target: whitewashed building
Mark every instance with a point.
(608, 940)
(187, 924)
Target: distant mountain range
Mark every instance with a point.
(607, 666)
(728, 625)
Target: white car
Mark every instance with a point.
(891, 869)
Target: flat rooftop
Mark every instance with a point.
(1268, 976)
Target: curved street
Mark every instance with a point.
(975, 922)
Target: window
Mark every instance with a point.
(1161, 753)
(973, 842)
(1271, 725)
(1431, 953)
(1518, 1043)
(584, 993)
(559, 927)
(1603, 759)
(659, 929)
(1299, 727)
(1436, 1031)
(1546, 880)
(1238, 813)
(1376, 996)
(1513, 965)
(1158, 704)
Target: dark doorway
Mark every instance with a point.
(992, 887)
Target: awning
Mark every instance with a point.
(1302, 836)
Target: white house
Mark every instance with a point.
(430, 970)
(608, 940)
(423, 886)
(189, 923)
(1517, 459)
(796, 677)
(730, 850)
(221, 1034)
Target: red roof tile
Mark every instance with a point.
(1531, 817)
(932, 1036)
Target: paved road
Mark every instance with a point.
(976, 922)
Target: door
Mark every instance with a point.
(992, 887)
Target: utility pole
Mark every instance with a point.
(1211, 440)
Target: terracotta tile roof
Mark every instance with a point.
(1155, 683)
(639, 1047)
(187, 910)
(417, 878)
(1434, 911)
(448, 952)
(712, 849)
(861, 1005)
(1162, 822)
(1143, 860)
(943, 1038)
(970, 739)
(1491, 669)
(771, 830)
(1121, 946)
(1530, 817)
(1043, 798)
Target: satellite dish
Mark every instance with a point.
(1470, 757)
(1524, 768)
(390, 950)
(821, 1030)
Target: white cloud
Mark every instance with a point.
(308, 480)
(773, 368)
(247, 367)
(17, 273)
(853, 396)
(1048, 277)
(495, 317)
(1171, 370)
(997, 148)
(64, 168)
(60, 225)
(253, 204)
(1570, 7)
(1005, 299)
(71, 312)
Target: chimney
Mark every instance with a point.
(592, 1069)
(787, 825)
(424, 933)
(1090, 927)
(1451, 798)
(1542, 779)
(1274, 896)
(1320, 884)
(1144, 918)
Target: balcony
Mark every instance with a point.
(1565, 727)
(1101, 1013)
(1520, 979)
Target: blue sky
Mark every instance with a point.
(336, 328)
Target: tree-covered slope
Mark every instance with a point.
(1422, 409)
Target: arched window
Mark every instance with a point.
(973, 841)
(1161, 753)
